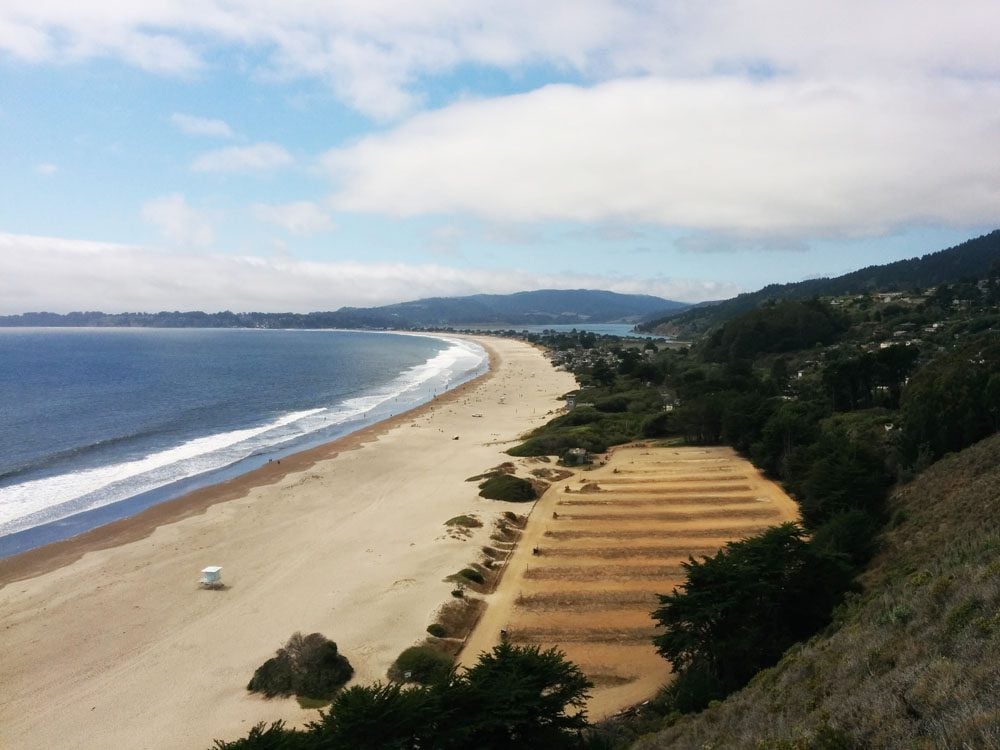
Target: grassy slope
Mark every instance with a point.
(912, 661)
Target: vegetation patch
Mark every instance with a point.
(468, 522)
(421, 664)
(552, 475)
(459, 617)
(506, 467)
(509, 488)
(308, 666)
(471, 575)
(511, 697)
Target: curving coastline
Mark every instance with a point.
(346, 539)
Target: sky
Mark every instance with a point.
(310, 154)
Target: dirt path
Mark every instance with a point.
(601, 544)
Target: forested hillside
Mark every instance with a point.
(543, 307)
(970, 260)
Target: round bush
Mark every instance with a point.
(437, 630)
(307, 666)
(423, 664)
(473, 575)
(507, 487)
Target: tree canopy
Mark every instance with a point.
(513, 697)
(739, 610)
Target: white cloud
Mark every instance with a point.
(258, 157)
(178, 221)
(46, 168)
(376, 53)
(301, 218)
(732, 155)
(60, 275)
(193, 125)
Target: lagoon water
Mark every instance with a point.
(97, 424)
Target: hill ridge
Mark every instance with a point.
(535, 307)
(972, 258)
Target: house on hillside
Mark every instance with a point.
(575, 457)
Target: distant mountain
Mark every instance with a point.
(972, 259)
(545, 307)
(542, 307)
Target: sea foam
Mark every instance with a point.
(49, 499)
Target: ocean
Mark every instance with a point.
(99, 424)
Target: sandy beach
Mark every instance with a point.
(108, 641)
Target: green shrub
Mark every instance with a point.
(507, 487)
(471, 574)
(437, 630)
(617, 403)
(469, 522)
(423, 664)
(307, 666)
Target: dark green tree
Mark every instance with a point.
(380, 717)
(525, 697)
(738, 611)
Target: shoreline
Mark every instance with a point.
(349, 540)
(54, 555)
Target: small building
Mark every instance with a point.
(211, 577)
(575, 457)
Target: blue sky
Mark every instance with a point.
(308, 155)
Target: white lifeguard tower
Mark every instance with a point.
(211, 577)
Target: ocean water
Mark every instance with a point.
(98, 424)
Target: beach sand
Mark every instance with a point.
(108, 641)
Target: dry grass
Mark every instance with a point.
(654, 488)
(734, 532)
(688, 479)
(459, 616)
(658, 501)
(667, 515)
(583, 635)
(599, 555)
(604, 573)
(552, 475)
(587, 600)
(619, 553)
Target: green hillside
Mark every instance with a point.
(541, 307)
(909, 663)
(972, 259)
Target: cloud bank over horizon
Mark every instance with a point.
(119, 278)
(731, 143)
